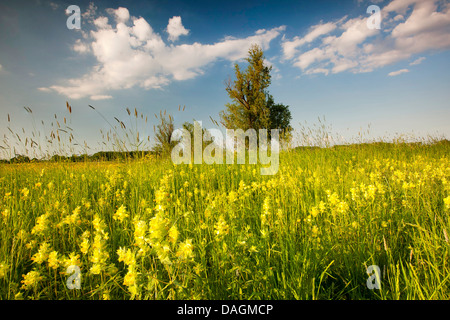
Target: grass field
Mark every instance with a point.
(147, 229)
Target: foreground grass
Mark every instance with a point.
(147, 229)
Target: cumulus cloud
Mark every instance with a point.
(408, 28)
(43, 89)
(121, 14)
(130, 53)
(175, 29)
(396, 73)
(417, 61)
(290, 46)
(100, 97)
(80, 46)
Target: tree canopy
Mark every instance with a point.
(252, 106)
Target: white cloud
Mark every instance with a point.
(417, 61)
(101, 97)
(175, 29)
(130, 53)
(121, 14)
(408, 27)
(396, 73)
(318, 70)
(90, 13)
(80, 46)
(289, 47)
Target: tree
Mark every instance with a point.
(248, 93)
(280, 117)
(252, 106)
(163, 135)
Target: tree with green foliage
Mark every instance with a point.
(163, 135)
(252, 106)
(280, 117)
(248, 93)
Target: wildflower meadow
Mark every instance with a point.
(149, 229)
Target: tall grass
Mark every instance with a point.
(146, 229)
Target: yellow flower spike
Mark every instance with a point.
(314, 211)
(72, 260)
(221, 228)
(185, 250)
(53, 260)
(96, 269)
(25, 192)
(447, 203)
(3, 270)
(42, 254)
(31, 279)
(173, 234)
(315, 230)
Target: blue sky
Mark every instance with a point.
(157, 55)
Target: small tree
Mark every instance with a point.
(163, 135)
(248, 93)
(280, 118)
(252, 106)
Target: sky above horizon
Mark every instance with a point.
(159, 55)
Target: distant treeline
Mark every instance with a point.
(99, 156)
(124, 155)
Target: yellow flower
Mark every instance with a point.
(333, 199)
(185, 250)
(163, 250)
(133, 290)
(25, 192)
(41, 223)
(73, 218)
(3, 269)
(232, 196)
(5, 213)
(121, 213)
(447, 203)
(84, 246)
(140, 229)
(42, 254)
(127, 256)
(158, 226)
(322, 206)
(73, 260)
(130, 278)
(355, 224)
(143, 203)
(96, 269)
(342, 207)
(31, 279)
(173, 234)
(53, 260)
(221, 228)
(314, 211)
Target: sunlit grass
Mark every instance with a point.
(146, 229)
